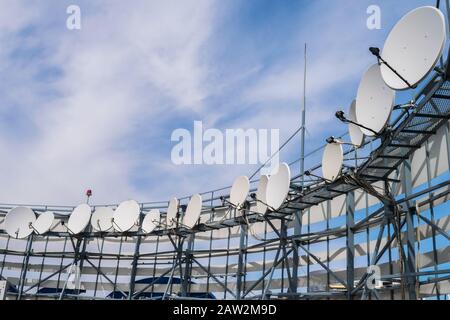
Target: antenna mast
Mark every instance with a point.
(302, 155)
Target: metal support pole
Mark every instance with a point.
(295, 257)
(243, 234)
(188, 266)
(350, 222)
(23, 274)
(134, 266)
(410, 264)
(134, 263)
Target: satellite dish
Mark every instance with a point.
(332, 160)
(126, 215)
(44, 222)
(239, 191)
(79, 218)
(172, 211)
(18, 222)
(102, 218)
(278, 187)
(374, 101)
(193, 211)
(356, 135)
(149, 223)
(261, 205)
(413, 47)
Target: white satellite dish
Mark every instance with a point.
(374, 101)
(193, 211)
(102, 218)
(151, 221)
(126, 215)
(172, 211)
(332, 160)
(44, 222)
(356, 135)
(261, 203)
(278, 187)
(18, 222)
(239, 191)
(413, 47)
(79, 218)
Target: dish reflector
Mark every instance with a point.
(356, 135)
(126, 215)
(332, 160)
(413, 47)
(150, 221)
(261, 206)
(101, 219)
(374, 101)
(278, 187)
(44, 222)
(172, 210)
(193, 211)
(17, 222)
(79, 218)
(239, 191)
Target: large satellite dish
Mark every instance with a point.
(193, 211)
(278, 187)
(261, 203)
(332, 160)
(374, 101)
(18, 222)
(126, 215)
(172, 211)
(44, 222)
(413, 47)
(151, 221)
(356, 135)
(239, 191)
(102, 218)
(79, 218)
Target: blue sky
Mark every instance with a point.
(95, 108)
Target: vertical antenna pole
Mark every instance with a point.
(302, 155)
(298, 214)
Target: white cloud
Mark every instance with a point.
(116, 72)
(91, 108)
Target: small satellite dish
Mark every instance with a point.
(101, 219)
(374, 101)
(332, 160)
(44, 222)
(278, 187)
(356, 135)
(79, 218)
(239, 191)
(126, 215)
(261, 204)
(193, 211)
(413, 47)
(172, 211)
(18, 222)
(151, 221)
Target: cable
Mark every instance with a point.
(278, 151)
